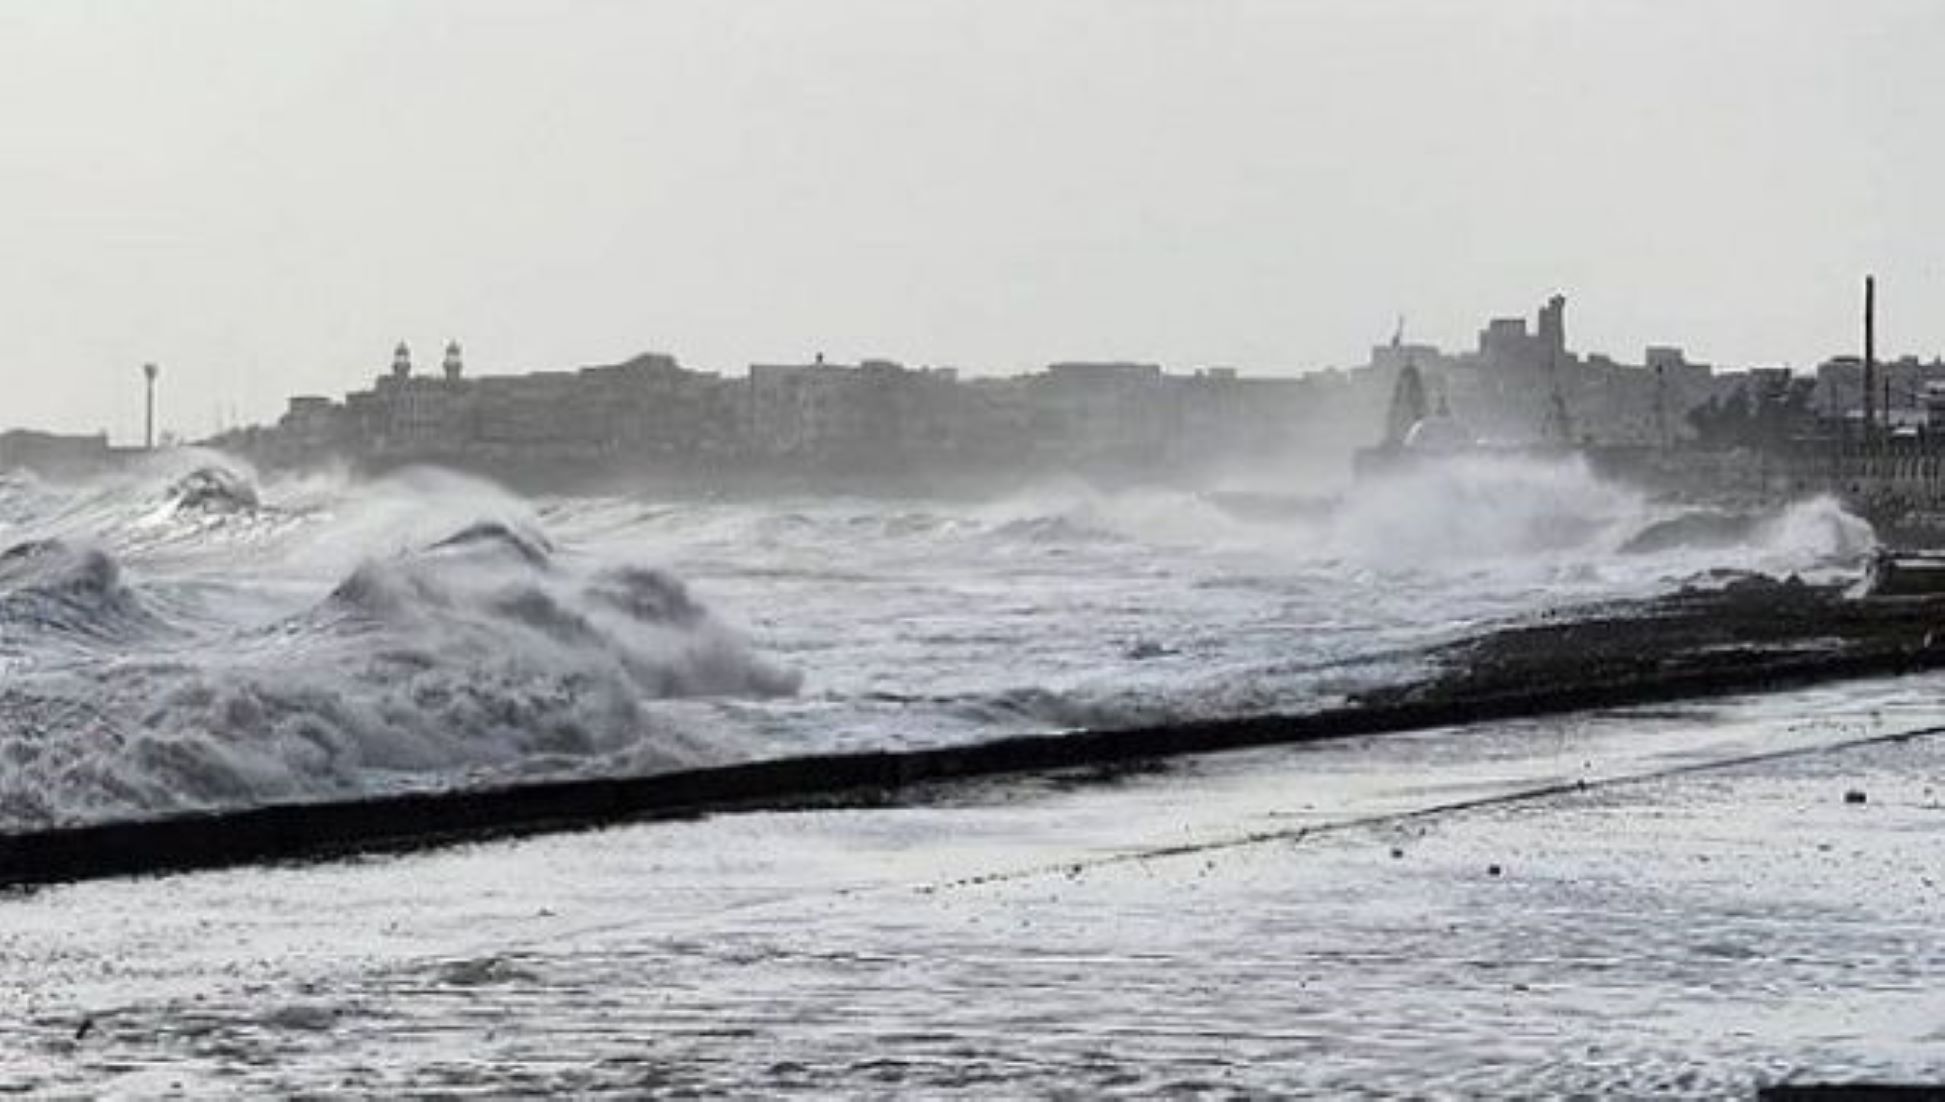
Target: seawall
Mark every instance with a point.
(1534, 677)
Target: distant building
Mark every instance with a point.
(646, 407)
(1105, 411)
(54, 454)
(312, 424)
(1934, 406)
(1520, 386)
(804, 410)
(1902, 387)
(1524, 386)
(874, 414)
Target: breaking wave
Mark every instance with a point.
(214, 489)
(1459, 516)
(493, 597)
(484, 654)
(191, 634)
(50, 590)
(1483, 508)
(1819, 531)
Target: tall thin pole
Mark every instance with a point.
(1870, 360)
(149, 372)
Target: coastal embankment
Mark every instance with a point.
(1751, 635)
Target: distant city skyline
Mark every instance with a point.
(265, 199)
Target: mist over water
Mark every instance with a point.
(188, 635)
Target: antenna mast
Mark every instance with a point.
(1870, 362)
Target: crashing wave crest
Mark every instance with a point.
(214, 489)
(166, 646)
(51, 588)
(484, 654)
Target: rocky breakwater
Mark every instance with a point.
(1749, 635)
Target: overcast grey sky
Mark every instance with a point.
(265, 196)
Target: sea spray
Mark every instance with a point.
(483, 652)
(1472, 509)
(428, 629)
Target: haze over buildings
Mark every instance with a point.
(1519, 388)
(258, 196)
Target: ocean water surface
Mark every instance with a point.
(192, 635)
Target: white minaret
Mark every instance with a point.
(401, 361)
(454, 365)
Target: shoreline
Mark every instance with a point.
(1267, 920)
(1751, 636)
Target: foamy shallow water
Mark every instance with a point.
(1684, 926)
(165, 650)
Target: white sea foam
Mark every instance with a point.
(191, 634)
(429, 661)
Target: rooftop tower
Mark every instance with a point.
(1553, 326)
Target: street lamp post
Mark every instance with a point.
(149, 373)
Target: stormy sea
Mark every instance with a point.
(1683, 900)
(190, 635)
